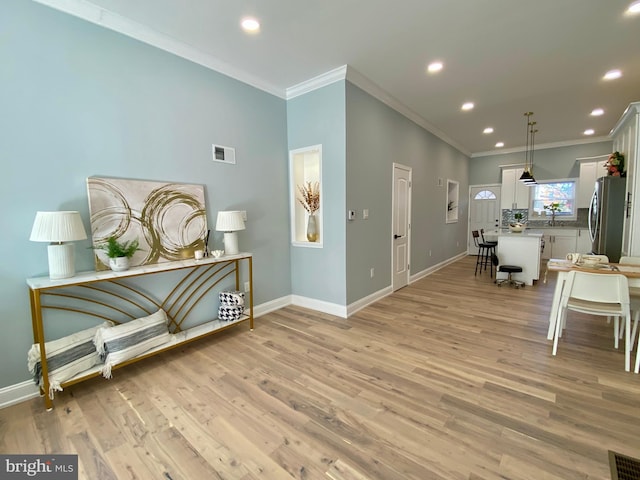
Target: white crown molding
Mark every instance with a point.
(315, 83)
(376, 91)
(632, 109)
(542, 146)
(118, 23)
(113, 21)
(347, 72)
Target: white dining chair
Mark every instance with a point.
(634, 298)
(602, 294)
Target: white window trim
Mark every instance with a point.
(534, 216)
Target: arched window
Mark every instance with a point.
(485, 195)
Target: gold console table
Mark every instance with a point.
(108, 295)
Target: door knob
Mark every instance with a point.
(397, 236)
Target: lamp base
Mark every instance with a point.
(231, 243)
(62, 262)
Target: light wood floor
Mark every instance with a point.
(449, 378)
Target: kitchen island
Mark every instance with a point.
(521, 249)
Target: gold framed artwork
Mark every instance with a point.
(169, 220)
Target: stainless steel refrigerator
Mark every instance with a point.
(606, 217)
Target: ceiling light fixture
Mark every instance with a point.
(488, 130)
(250, 25)
(634, 7)
(612, 74)
(527, 174)
(499, 144)
(596, 112)
(435, 67)
(468, 106)
(589, 131)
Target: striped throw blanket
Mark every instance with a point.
(128, 340)
(66, 357)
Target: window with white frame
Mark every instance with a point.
(485, 195)
(555, 195)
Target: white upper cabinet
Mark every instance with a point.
(626, 140)
(514, 194)
(589, 172)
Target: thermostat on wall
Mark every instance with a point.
(224, 154)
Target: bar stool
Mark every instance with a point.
(510, 270)
(484, 253)
(492, 244)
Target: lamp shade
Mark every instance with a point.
(57, 227)
(230, 221)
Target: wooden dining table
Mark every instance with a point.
(562, 266)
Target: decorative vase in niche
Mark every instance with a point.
(312, 229)
(119, 264)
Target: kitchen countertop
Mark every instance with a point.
(562, 227)
(528, 233)
(525, 233)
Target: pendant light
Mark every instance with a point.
(533, 132)
(527, 174)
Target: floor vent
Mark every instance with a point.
(623, 467)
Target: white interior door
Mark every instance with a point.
(401, 227)
(484, 211)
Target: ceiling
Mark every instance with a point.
(506, 56)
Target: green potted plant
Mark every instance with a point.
(518, 226)
(118, 252)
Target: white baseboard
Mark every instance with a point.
(27, 390)
(435, 268)
(20, 392)
(319, 305)
(368, 300)
(271, 306)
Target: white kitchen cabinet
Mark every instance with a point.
(514, 193)
(626, 140)
(558, 242)
(589, 172)
(523, 250)
(583, 241)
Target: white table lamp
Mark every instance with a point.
(229, 223)
(57, 228)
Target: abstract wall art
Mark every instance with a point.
(169, 220)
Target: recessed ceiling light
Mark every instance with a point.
(634, 7)
(435, 67)
(468, 106)
(488, 130)
(589, 131)
(596, 112)
(250, 25)
(500, 144)
(612, 74)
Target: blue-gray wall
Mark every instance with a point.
(316, 118)
(79, 100)
(378, 136)
(548, 164)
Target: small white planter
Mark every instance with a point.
(119, 264)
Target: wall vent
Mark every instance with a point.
(623, 467)
(223, 154)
